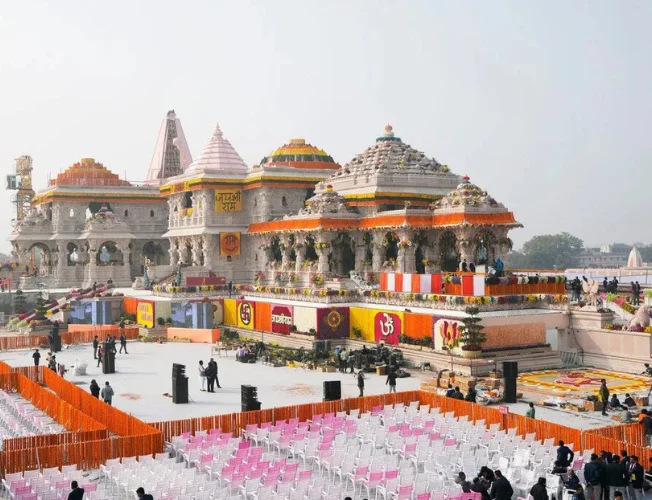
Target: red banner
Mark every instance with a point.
(387, 328)
(281, 319)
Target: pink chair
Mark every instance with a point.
(450, 442)
(29, 496)
(357, 475)
(424, 496)
(375, 479)
(215, 432)
(22, 490)
(244, 445)
(390, 474)
(88, 487)
(403, 493)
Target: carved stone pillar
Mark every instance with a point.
(286, 249)
(323, 248)
(92, 262)
(359, 250)
(126, 255)
(378, 251)
(207, 250)
(62, 259)
(174, 254)
(300, 251)
(196, 251)
(406, 252)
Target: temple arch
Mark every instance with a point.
(40, 258)
(108, 254)
(448, 251)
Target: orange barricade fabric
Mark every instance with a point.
(418, 326)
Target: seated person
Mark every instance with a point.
(614, 402)
(629, 402)
(573, 482)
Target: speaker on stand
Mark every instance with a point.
(249, 398)
(332, 390)
(510, 374)
(179, 384)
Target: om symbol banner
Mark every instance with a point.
(387, 328)
(245, 314)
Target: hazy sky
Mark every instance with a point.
(547, 105)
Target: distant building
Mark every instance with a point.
(602, 257)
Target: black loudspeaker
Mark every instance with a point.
(509, 394)
(249, 398)
(332, 390)
(180, 390)
(510, 369)
(108, 358)
(179, 384)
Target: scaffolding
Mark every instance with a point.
(21, 182)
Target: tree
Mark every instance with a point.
(40, 308)
(471, 335)
(548, 251)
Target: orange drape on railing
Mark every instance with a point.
(68, 338)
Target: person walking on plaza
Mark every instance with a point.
(391, 381)
(76, 493)
(123, 343)
(107, 393)
(501, 489)
(142, 495)
(636, 475)
(351, 361)
(96, 343)
(100, 354)
(531, 411)
(594, 475)
(604, 399)
(95, 389)
(37, 357)
(216, 380)
(616, 476)
(52, 364)
(361, 383)
(202, 376)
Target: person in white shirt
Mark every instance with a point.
(202, 376)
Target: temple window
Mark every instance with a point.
(151, 213)
(284, 202)
(187, 199)
(126, 213)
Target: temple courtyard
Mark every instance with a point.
(144, 377)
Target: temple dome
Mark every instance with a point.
(467, 194)
(88, 173)
(218, 155)
(299, 154)
(634, 259)
(390, 154)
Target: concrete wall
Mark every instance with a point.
(608, 349)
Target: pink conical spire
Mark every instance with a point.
(219, 155)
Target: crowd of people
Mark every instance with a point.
(606, 477)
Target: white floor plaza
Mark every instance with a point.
(145, 374)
